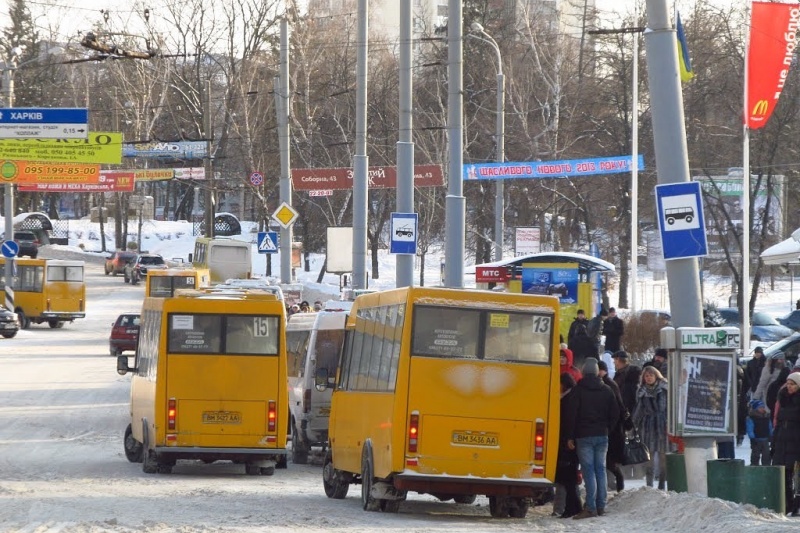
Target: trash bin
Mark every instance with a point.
(764, 488)
(726, 479)
(676, 472)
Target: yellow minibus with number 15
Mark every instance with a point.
(449, 392)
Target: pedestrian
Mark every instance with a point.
(753, 369)
(595, 329)
(593, 417)
(772, 392)
(769, 374)
(786, 437)
(627, 377)
(616, 438)
(759, 430)
(566, 364)
(613, 329)
(650, 418)
(578, 340)
(579, 325)
(567, 500)
(317, 306)
(659, 361)
(305, 307)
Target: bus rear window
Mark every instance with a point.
(65, 273)
(165, 286)
(223, 334)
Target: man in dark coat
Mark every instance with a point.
(786, 437)
(613, 329)
(627, 378)
(659, 361)
(595, 416)
(595, 328)
(579, 341)
(568, 502)
(616, 439)
(752, 371)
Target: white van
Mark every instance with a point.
(313, 340)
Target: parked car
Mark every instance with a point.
(136, 270)
(763, 327)
(124, 334)
(28, 243)
(115, 263)
(9, 323)
(790, 346)
(792, 320)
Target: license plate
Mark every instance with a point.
(222, 417)
(475, 438)
(8, 325)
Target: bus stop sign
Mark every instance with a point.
(680, 220)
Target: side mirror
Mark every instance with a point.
(122, 365)
(321, 379)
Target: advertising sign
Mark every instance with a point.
(527, 241)
(491, 274)
(339, 250)
(44, 123)
(44, 172)
(109, 181)
(550, 169)
(98, 147)
(561, 282)
(166, 150)
(308, 179)
(705, 391)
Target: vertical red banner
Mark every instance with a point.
(773, 37)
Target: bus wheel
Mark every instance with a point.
(499, 506)
(24, 323)
(518, 507)
(299, 451)
(333, 480)
(267, 470)
(390, 506)
(165, 468)
(466, 499)
(368, 502)
(252, 470)
(282, 462)
(149, 463)
(133, 448)
(55, 324)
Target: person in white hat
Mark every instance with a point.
(772, 368)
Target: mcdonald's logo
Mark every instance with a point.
(761, 108)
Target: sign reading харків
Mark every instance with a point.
(702, 394)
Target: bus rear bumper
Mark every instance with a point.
(519, 488)
(219, 454)
(47, 315)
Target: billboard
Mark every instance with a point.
(98, 147)
(312, 179)
(109, 181)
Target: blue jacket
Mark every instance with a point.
(757, 426)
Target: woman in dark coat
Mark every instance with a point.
(616, 438)
(650, 418)
(567, 465)
(786, 437)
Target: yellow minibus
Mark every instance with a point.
(163, 283)
(209, 381)
(224, 258)
(47, 290)
(449, 392)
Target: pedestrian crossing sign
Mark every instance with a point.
(267, 242)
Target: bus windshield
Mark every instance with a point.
(164, 286)
(65, 273)
(487, 334)
(223, 334)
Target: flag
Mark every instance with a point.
(684, 63)
(770, 55)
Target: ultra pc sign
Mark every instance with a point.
(708, 338)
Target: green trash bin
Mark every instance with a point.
(726, 479)
(764, 488)
(676, 473)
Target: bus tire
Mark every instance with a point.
(55, 324)
(10, 335)
(518, 507)
(252, 470)
(368, 502)
(267, 471)
(133, 448)
(299, 451)
(24, 322)
(334, 481)
(390, 506)
(499, 506)
(282, 462)
(164, 468)
(466, 499)
(149, 463)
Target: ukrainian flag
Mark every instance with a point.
(684, 63)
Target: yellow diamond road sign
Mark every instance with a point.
(285, 215)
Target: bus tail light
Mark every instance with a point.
(272, 416)
(48, 304)
(172, 411)
(413, 432)
(538, 442)
(307, 401)
(81, 305)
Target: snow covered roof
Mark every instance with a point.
(787, 251)
(585, 262)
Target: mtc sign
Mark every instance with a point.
(494, 274)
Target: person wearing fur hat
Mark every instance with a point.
(786, 436)
(616, 438)
(593, 416)
(769, 374)
(759, 430)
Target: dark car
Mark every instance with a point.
(28, 243)
(115, 263)
(124, 334)
(763, 327)
(9, 323)
(792, 320)
(136, 270)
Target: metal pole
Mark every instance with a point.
(404, 266)
(209, 167)
(360, 159)
(635, 169)
(282, 97)
(672, 166)
(8, 204)
(455, 203)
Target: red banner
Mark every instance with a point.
(491, 274)
(110, 181)
(773, 39)
(312, 179)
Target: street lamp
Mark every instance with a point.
(8, 91)
(479, 33)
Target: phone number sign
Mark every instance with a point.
(43, 172)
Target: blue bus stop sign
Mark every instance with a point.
(681, 221)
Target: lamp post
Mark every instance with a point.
(8, 91)
(479, 33)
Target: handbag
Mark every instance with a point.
(635, 451)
